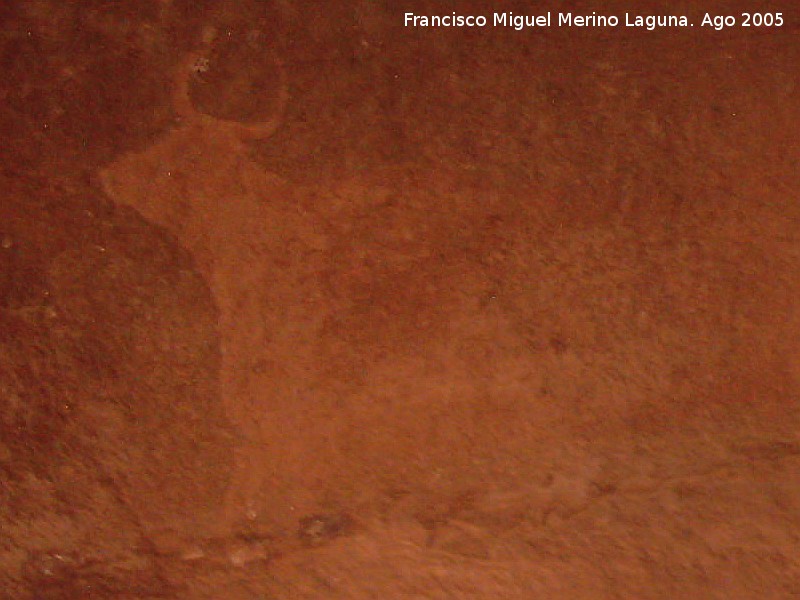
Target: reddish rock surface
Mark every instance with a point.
(491, 314)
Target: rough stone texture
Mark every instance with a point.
(522, 307)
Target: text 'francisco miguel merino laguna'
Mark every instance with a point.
(548, 19)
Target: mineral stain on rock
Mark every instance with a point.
(318, 529)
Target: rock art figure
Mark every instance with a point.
(249, 241)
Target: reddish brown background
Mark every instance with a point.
(555, 348)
